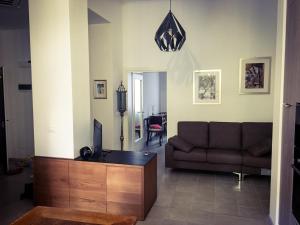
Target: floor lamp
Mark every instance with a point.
(121, 100)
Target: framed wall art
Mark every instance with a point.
(100, 89)
(207, 87)
(255, 75)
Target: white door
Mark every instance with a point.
(137, 110)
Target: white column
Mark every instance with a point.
(60, 76)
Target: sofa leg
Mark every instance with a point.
(240, 175)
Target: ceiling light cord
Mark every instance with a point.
(170, 5)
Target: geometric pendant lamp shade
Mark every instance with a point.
(170, 36)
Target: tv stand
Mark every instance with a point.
(122, 183)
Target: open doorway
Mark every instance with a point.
(17, 109)
(147, 108)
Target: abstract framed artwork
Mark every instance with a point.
(207, 87)
(100, 89)
(255, 75)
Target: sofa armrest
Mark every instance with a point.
(169, 159)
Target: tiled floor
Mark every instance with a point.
(11, 187)
(184, 197)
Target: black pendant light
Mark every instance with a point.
(170, 35)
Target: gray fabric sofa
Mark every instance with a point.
(220, 146)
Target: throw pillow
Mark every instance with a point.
(181, 144)
(262, 148)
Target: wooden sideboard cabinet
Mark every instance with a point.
(87, 186)
(51, 182)
(128, 187)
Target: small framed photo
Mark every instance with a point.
(255, 75)
(207, 87)
(100, 89)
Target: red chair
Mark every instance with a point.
(155, 126)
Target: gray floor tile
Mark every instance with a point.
(252, 212)
(179, 213)
(234, 220)
(201, 205)
(205, 195)
(200, 217)
(226, 209)
(158, 212)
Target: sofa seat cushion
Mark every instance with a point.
(196, 155)
(224, 156)
(225, 135)
(259, 162)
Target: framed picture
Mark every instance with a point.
(207, 87)
(255, 75)
(100, 89)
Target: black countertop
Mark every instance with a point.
(121, 157)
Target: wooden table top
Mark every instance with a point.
(61, 216)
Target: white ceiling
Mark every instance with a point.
(18, 18)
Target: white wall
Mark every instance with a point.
(57, 45)
(51, 78)
(219, 33)
(14, 56)
(163, 91)
(151, 93)
(80, 74)
(101, 69)
(108, 37)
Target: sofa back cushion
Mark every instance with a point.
(225, 135)
(262, 148)
(195, 133)
(254, 133)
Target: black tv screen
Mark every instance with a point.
(97, 138)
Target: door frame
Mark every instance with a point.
(290, 99)
(136, 144)
(3, 149)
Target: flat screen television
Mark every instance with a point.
(97, 137)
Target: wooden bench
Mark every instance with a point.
(41, 215)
